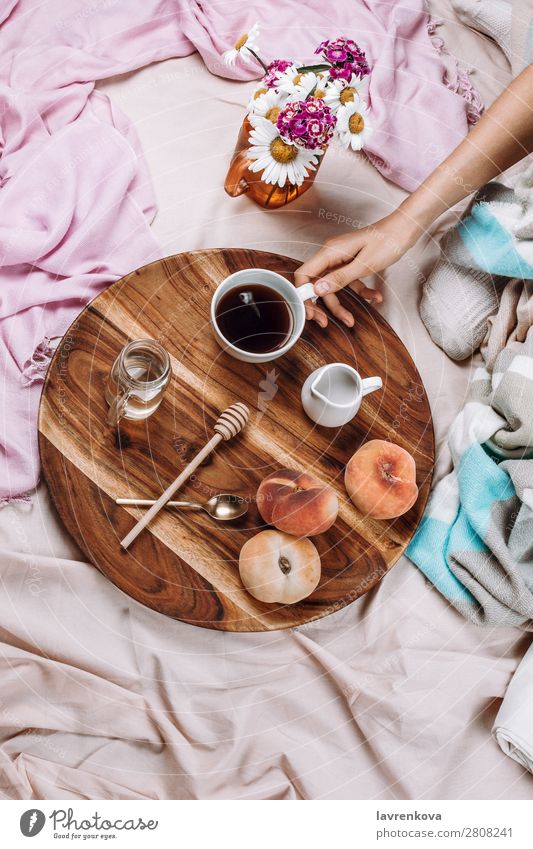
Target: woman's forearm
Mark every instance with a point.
(503, 136)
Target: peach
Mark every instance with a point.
(380, 479)
(277, 567)
(297, 503)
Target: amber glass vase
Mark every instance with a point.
(240, 180)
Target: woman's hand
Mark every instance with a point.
(502, 136)
(341, 261)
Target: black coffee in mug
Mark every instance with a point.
(254, 318)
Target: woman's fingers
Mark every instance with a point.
(334, 306)
(337, 264)
(338, 278)
(327, 257)
(365, 292)
(314, 313)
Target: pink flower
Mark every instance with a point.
(314, 128)
(345, 56)
(344, 72)
(351, 45)
(306, 123)
(336, 54)
(274, 70)
(321, 47)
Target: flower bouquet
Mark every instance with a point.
(294, 114)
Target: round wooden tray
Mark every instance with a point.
(184, 564)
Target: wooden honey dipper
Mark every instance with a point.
(229, 424)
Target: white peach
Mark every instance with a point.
(278, 568)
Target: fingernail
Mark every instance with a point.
(322, 288)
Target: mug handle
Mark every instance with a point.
(118, 408)
(236, 183)
(370, 384)
(307, 292)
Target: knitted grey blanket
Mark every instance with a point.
(475, 542)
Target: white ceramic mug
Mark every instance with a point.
(295, 298)
(332, 395)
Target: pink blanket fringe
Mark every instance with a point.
(461, 84)
(35, 368)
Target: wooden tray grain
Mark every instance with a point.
(185, 565)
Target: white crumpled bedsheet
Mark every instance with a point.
(393, 697)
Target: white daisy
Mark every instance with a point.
(259, 89)
(299, 86)
(341, 92)
(279, 161)
(322, 83)
(287, 74)
(243, 47)
(267, 103)
(352, 125)
(289, 79)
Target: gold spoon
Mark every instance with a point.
(223, 507)
(229, 424)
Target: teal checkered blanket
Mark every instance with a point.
(475, 541)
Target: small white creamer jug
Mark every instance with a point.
(332, 395)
